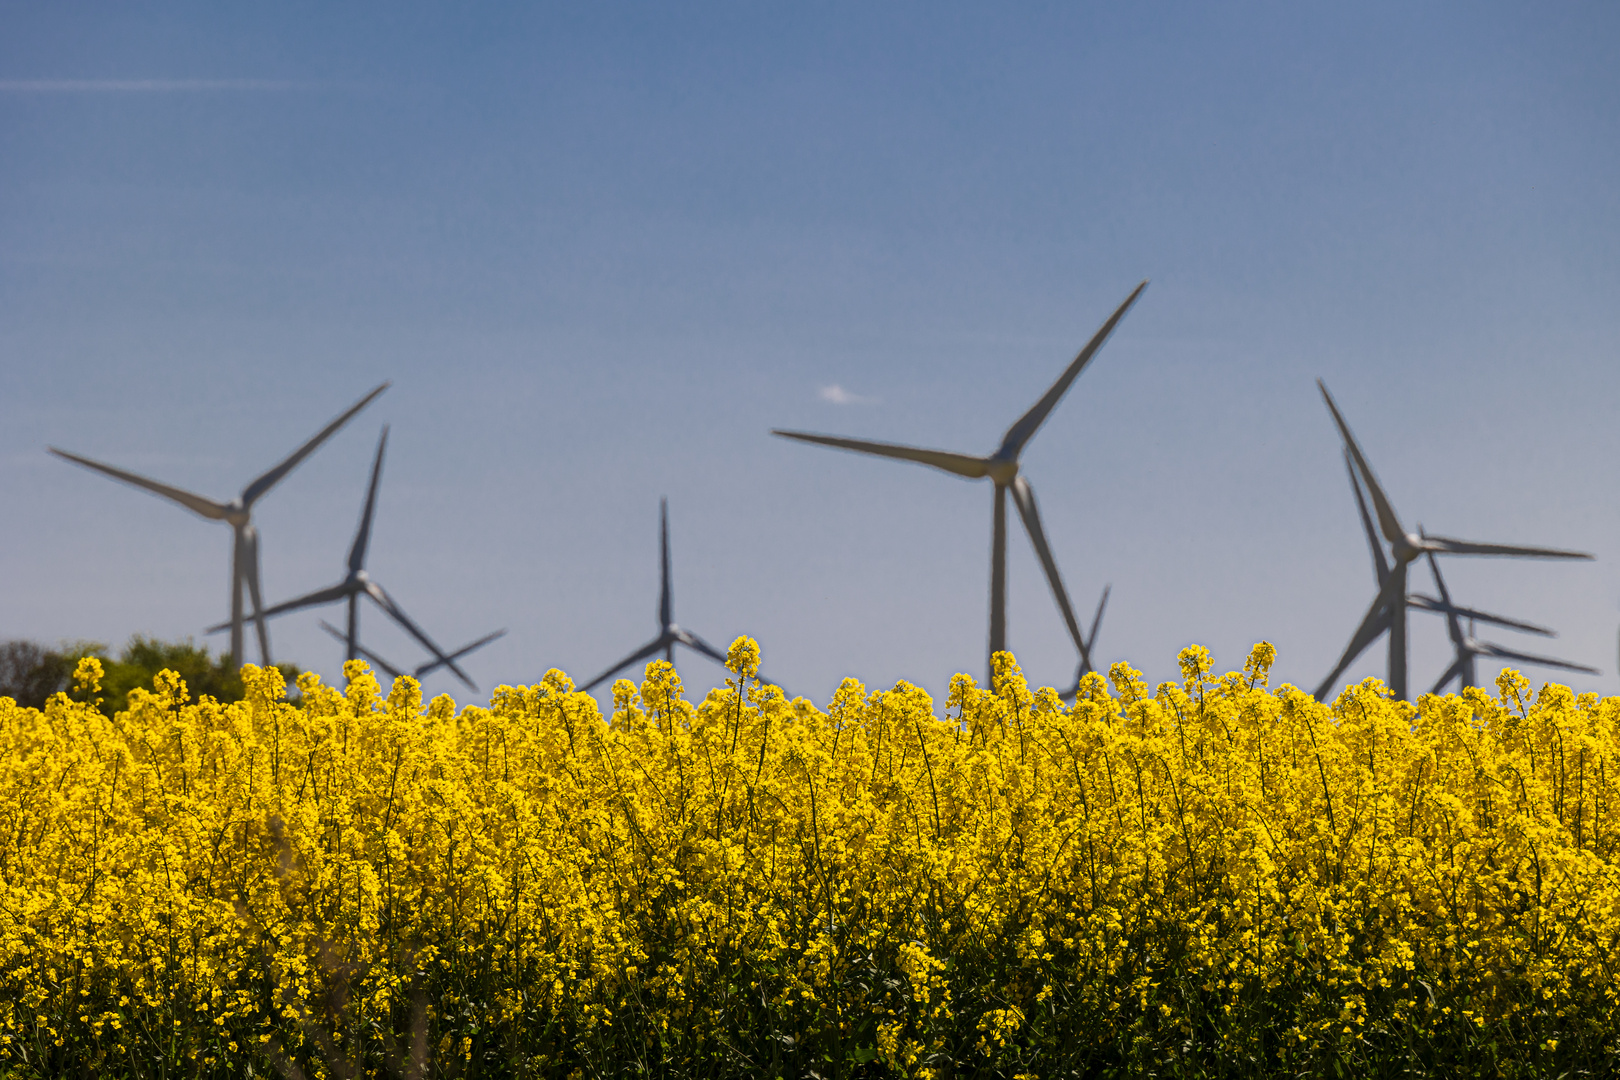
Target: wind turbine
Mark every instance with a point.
(357, 583)
(1388, 610)
(1002, 468)
(1419, 600)
(1468, 647)
(421, 669)
(1091, 643)
(238, 513)
(669, 634)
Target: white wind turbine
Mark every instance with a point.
(1002, 468)
(357, 583)
(1387, 614)
(670, 634)
(238, 513)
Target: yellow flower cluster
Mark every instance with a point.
(1208, 876)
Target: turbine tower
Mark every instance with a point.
(421, 669)
(238, 513)
(1468, 647)
(669, 634)
(1388, 610)
(1002, 468)
(357, 583)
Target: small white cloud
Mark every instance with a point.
(139, 86)
(837, 395)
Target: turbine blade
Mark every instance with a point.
(1444, 545)
(362, 538)
(434, 665)
(666, 604)
(207, 508)
(958, 464)
(692, 641)
(476, 645)
(1453, 672)
(1013, 442)
(376, 661)
(252, 537)
(1380, 564)
(1073, 692)
(1024, 497)
(1453, 627)
(329, 595)
(1096, 621)
(264, 483)
(1439, 607)
(1387, 521)
(1499, 653)
(1375, 622)
(651, 648)
(397, 613)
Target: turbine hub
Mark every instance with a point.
(236, 513)
(1004, 471)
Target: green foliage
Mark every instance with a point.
(30, 673)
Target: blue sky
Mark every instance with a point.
(602, 250)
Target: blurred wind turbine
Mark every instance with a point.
(357, 583)
(238, 513)
(1002, 468)
(1388, 610)
(1468, 647)
(421, 669)
(669, 634)
(1419, 600)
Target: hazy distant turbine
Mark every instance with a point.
(357, 583)
(238, 513)
(1419, 600)
(669, 634)
(1469, 647)
(1388, 610)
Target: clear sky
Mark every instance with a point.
(602, 249)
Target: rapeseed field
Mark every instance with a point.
(1214, 877)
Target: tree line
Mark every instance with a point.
(30, 672)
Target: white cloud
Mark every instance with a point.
(139, 86)
(837, 395)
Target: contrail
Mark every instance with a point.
(141, 86)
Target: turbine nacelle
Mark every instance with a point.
(1409, 548)
(1002, 470)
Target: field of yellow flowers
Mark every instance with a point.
(1214, 877)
